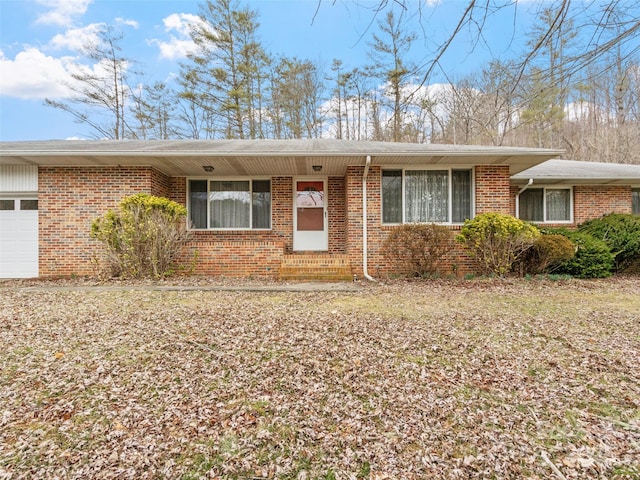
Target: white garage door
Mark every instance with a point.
(18, 237)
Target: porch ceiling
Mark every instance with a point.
(262, 157)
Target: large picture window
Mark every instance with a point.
(545, 205)
(433, 196)
(635, 199)
(230, 204)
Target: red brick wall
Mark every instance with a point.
(234, 257)
(337, 212)
(492, 189)
(70, 198)
(282, 210)
(353, 199)
(591, 201)
(594, 201)
(178, 190)
(160, 184)
(494, 180)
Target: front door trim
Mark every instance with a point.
(310, 226)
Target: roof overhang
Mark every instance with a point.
(573, 172)
(263, 157)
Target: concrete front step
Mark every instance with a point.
(319, 267)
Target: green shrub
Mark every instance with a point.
(142, 237)
(621, 232)
(593, 258)
(497, 240)
(547, 253)
(417, 249)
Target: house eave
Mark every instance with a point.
(573, 172)
(263, 157)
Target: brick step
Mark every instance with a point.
(315, 277)
(319, 267)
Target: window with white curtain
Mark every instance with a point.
(545, 205)
(230, 204)
(635, 199)
(426, 196)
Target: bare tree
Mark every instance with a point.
(390, 65)
(295, 94)
(615, 24)
(225, 72)
(99, 93)
(154, 109)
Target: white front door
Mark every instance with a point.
(310, 215)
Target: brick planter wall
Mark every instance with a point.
(234, 258)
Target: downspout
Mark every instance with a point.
(529, 183)
(365, 261)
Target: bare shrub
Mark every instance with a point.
(416, 250)
(143, 237)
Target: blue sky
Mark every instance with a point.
(39, 42)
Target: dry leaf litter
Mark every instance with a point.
(396, 380)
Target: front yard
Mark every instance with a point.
(406, 380)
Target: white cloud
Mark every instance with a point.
(127, 22)
(180, 44)
(76, 39)
(181, 23)
(62, 12)
(175, 48)
(34, 75)
(581, 111)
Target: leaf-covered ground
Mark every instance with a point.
(405, 380)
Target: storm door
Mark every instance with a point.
(310, 215)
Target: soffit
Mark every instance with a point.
(263, 157)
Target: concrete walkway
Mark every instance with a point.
(241, 287)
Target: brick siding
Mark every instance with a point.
(491, 179)
(590, 201)
(492, 189)
(337, 215)
(211, 255)
(595, 201)
(72, 197)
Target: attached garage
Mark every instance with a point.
(18, 221)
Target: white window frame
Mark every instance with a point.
(228, 179)
(544, 204)
(449, 170)
(634, 189)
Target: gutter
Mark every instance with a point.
(365, 260)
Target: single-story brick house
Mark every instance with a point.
(283, 207)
